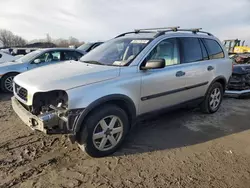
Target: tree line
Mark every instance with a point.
(8, 39)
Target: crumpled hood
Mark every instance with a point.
(65, 76)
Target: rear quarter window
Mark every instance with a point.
(214, 49)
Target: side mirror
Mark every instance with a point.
(36, 61)
(154, 64)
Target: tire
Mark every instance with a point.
(100, 145)
(6, 80)
(215, 94)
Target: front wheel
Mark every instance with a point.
(213, 98)
(7, 82)
(104, 131)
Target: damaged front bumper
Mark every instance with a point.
(52, 122)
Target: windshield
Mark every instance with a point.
(117, 52)
(85, 46)
(28, 57)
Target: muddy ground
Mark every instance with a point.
(183, 148)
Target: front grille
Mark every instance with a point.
(21, 92)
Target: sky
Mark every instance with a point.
(97, 20)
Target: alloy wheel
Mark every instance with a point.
(107, 133)
(8, 83)
(215, 99)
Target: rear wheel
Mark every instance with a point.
(104, 131)
(213, 98)
(7, 82)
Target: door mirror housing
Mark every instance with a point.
(37, 61)
(154, 64)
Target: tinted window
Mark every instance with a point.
(214, 49)
(1, 55)
(167, 50)
(70, 55)
(204, 51)
(191, 50)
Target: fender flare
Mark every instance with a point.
(216, 79)
(130, 106)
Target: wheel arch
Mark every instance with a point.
(3, 78)
(12, 72)
(120, 100)
(222, 80)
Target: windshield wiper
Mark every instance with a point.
(93, 62)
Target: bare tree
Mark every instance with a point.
(74, 41)
(48, 38)
(8, 39)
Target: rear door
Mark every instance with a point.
(196, 62)
(218, 64)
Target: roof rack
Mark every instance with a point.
(150, 30)
(163, 30)
(193, 30)
(159, 29)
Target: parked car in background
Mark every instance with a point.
(21, 51)
(87, 47)
(4, 57)
(35, 59)
(98, 99)
(239, 83)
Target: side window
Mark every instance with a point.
(70, 55)
(168, 50)
(44, 57)
(1, 55)
(56, 56)
(204, 51)
(191, 50)
(214, 49)
(49, 56)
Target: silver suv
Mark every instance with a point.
(97, 100)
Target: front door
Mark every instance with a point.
(165, 87)
(46, 58)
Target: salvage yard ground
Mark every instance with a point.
(184, 148)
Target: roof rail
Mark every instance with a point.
(163, 30)
(123, 34)
(193, 30)
(196, 30)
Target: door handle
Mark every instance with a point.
(180, 73)
(209, 68)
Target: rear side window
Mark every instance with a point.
(191, 50)
(214, 49)
(204, 50)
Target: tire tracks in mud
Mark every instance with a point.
(26, 156)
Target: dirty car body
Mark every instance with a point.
(97, 99)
